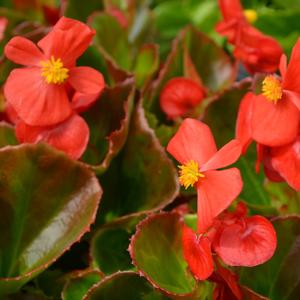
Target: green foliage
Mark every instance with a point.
(156, 250)
(41, 215)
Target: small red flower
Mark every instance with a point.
(237, 239)
(70, 136)
(194, 147)
(272, 118)
(258, 52)
(244, 241)
(39, 92)
(179, 96)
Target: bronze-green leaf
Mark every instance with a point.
(108, 120)
(7, 135)
(156, 250)
(47, 202)
(79, 283)
(124, 285)
(142, 178)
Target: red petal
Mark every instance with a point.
(24, 52)
(70, 136)
(291, 80)
(179, 96)
(286, 161)
(293, 97)
(231, 280)
(82, 102)
(68, 40)
(274, 124)
(215, 193)
(250, 242)
(258, 52)
(86, 80)
(229, 29)
(283, 65)
(197, 253)
(231, 9)
(227, 155)
(193, 141)
(243, 130)
(36, 102)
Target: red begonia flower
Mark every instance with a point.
(258, 52)
(197, 253)
(245, 241)
(70, 136)
(179, 96)
(38, 93)
(194, 147)
(3, 25)
(272, 118)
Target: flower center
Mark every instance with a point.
(271, 88)
(250, 15)
(53, 71)
(189, 174)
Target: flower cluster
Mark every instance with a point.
(238, 240)
(257, 51)
(272, 119)
(45, 96)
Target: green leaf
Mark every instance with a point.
(156, 250)
(124, 285)
(108, 120)
(109, 245)
(47, 203)
(79, 283)
(142, 178)
(113, 46)
(147, 63)
(279, 278)
(81, 10)
(7, 135)
(109, 249)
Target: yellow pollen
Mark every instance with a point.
(251, 15)
(189, 174)
(271, 88)
(53, 71)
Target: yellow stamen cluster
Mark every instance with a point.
(250, 15)
(271, 88)
(189, 174)
(53, 71)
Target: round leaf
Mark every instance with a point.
(156, 250)
(47, 202)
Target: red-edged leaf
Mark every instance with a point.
(47, 203)
(156, 250)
